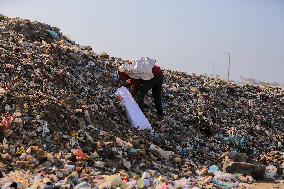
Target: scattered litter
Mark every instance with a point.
(57, 96)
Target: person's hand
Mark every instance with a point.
(119, 98)
(128, 81)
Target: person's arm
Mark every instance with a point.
(129, 81)
(123, 76)
(128, 84)
(132, 84)
(136, 83)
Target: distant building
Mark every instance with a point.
(253, 81)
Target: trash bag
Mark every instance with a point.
(139, 69)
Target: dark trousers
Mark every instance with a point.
(1, 135)
(156, 85)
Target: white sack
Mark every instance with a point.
(139, 69)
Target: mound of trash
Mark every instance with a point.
(62, 127)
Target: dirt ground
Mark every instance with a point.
(272, 185)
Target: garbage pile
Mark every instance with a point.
(62, 127)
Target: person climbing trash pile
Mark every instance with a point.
(141, 76)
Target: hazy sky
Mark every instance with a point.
(186, 35)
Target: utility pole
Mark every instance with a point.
(229, 55)
(213, 68)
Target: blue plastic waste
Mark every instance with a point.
(213, 169)
(220, 184)
(53, 34)
(114, 77)
(185, 153)
(133, 151)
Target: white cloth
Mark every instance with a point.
(139, 69)
(134, 114)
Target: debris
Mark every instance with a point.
(213, 169)
(271, 172)
(53, 34)
(79, 154)
(159, 152)
(57, 96)
(257, 171)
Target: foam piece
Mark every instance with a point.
(134, 114)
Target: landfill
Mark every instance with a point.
(62, 126)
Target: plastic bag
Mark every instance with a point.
(53, 34)
(271, 172)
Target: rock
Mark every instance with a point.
(113, 180)
(59, 174)
(238, 157)
(2, 91)
(104, 185)
(79, 111)
(8, 132)
(47, 181)
(202, 172)
(99, 164)
(83, 185)
(159, 152)
(70, 168)
(257, 171)
(19, 122)
(6, 156)
(127, 164)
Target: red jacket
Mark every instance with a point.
(136, 83)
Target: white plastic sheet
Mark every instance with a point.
(134, 114)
